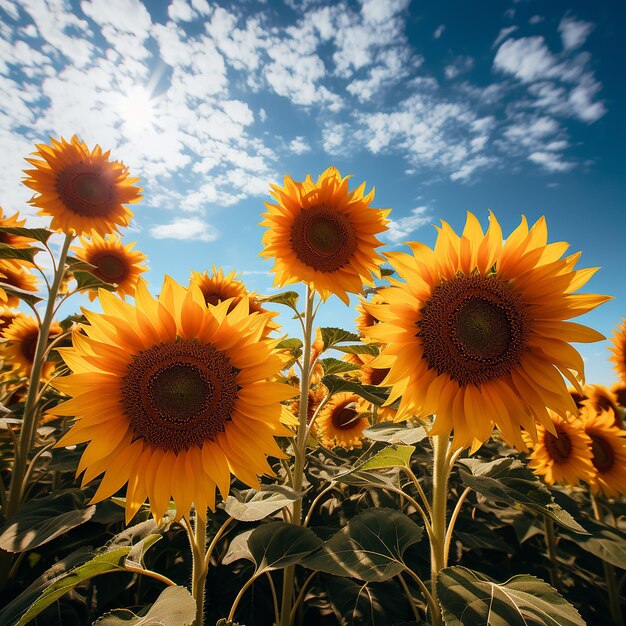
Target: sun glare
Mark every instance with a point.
(138, 109)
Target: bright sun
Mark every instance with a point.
(138, 109)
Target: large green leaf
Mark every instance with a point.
(336, 366)
(277, 545)
(370, 547)
(333, 336)
(101, 564)
(605, 542)
(22, 294)
(391, 456)
(39, 234)
(175, 606)
(44, 519)
(359, 348)
(288, 298)
(468, 597)
(86, 280)
(374, 604)
(391, 432)
(22, 254)
(238, 548)
(252, 505)
(508, 481)
(371, 393)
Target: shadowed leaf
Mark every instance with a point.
(605, 542)
(373, 394)
(390, 432)
(252, 505)
(39, 234)
(333, 336)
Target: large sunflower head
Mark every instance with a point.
(184, 398)
(22, 335)
(608, 448)
(17, 241)
(16, 275)
(477, 334)
(113, 262)
(618, 350)
(341, 422)
(562, 456)
(323, 234)
(81, 189)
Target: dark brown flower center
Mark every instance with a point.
(373, 375)
(179, 394)
(86, 189)
(603, 454)
(343, 418)
(29, 345)
(323, 238)
(559, 448)
(577, 397)
(473, 328)
(110, 267)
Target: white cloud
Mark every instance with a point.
(460, 65)
(299, 145)
(527, 58)
(551, 162)
(401, 228)
(185, 228)
(536, 19)
(574, 33)
(180, 11)
(439, 31)
(503, 34)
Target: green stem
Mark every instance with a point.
(299, 446)
(615, 605)
(199, 569)
(441, 473)
(29, 424)
(243, 590)
(548, 526)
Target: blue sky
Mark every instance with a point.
(444, 108)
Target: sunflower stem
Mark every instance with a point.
(548, 526)
(610, 577)
(197, 539)
(17, 487)
(299, 450)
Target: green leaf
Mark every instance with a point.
(370, 547)
(371, 393)
(277, 545)
(295, 345)
(22, 294)
(508, 481)
(605, 542)
(359, 348)
(332, 336)
(392, 456)
(387, 271)
(336, 366)
(174, 607)
(101, 564)
(44, 519)
(252, 505)
(391, 432)
(482, 538)
(23, 254)
(39, 234)
(238, 548)
(78, 264)
(85, 280)
(288, 298)
(468, 597)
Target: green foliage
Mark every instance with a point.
(335, 366)
(390, 432)
(286, 298)
(332, 336)
(252, 505)
(605, 542)
(39, 234)
(469, 597)
(86, 280)
(20, 254)
(371, 393)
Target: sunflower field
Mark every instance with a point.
(172, 457)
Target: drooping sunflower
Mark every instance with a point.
(477, 335)
(22, 335)
(618, 350)
(564, 457)
(81, 189)
(16, 275)
(113, 261)
(323, 234)
(17, 241)
(608, 448)
(341, 422)
(183, 398)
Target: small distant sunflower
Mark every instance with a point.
(341, 422)
(603, 399)
(618, 350)
(7, 315)
(22, 335)
(608, 447)
(173, 396)
(113, 261)
(477, 334)
(564, 458)
(16, 275)
(17, 241)
(316, 395)
(371, 375)
(81, 189)
(322, 234)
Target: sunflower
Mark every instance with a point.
(22, 335)
(173, 396)
(603, 399)
(113, 262)
(365, 319)
(618, 350)
(322, 234)
(341, 422)
(564, 457)
(80, 189)
(16, 275)
(217, 287)
(608, 447)
(477, 334)
(316, 395)
(17, 241)
(7, 315)
(619, 391)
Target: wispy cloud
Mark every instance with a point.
(185, 228)
(400, 229)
